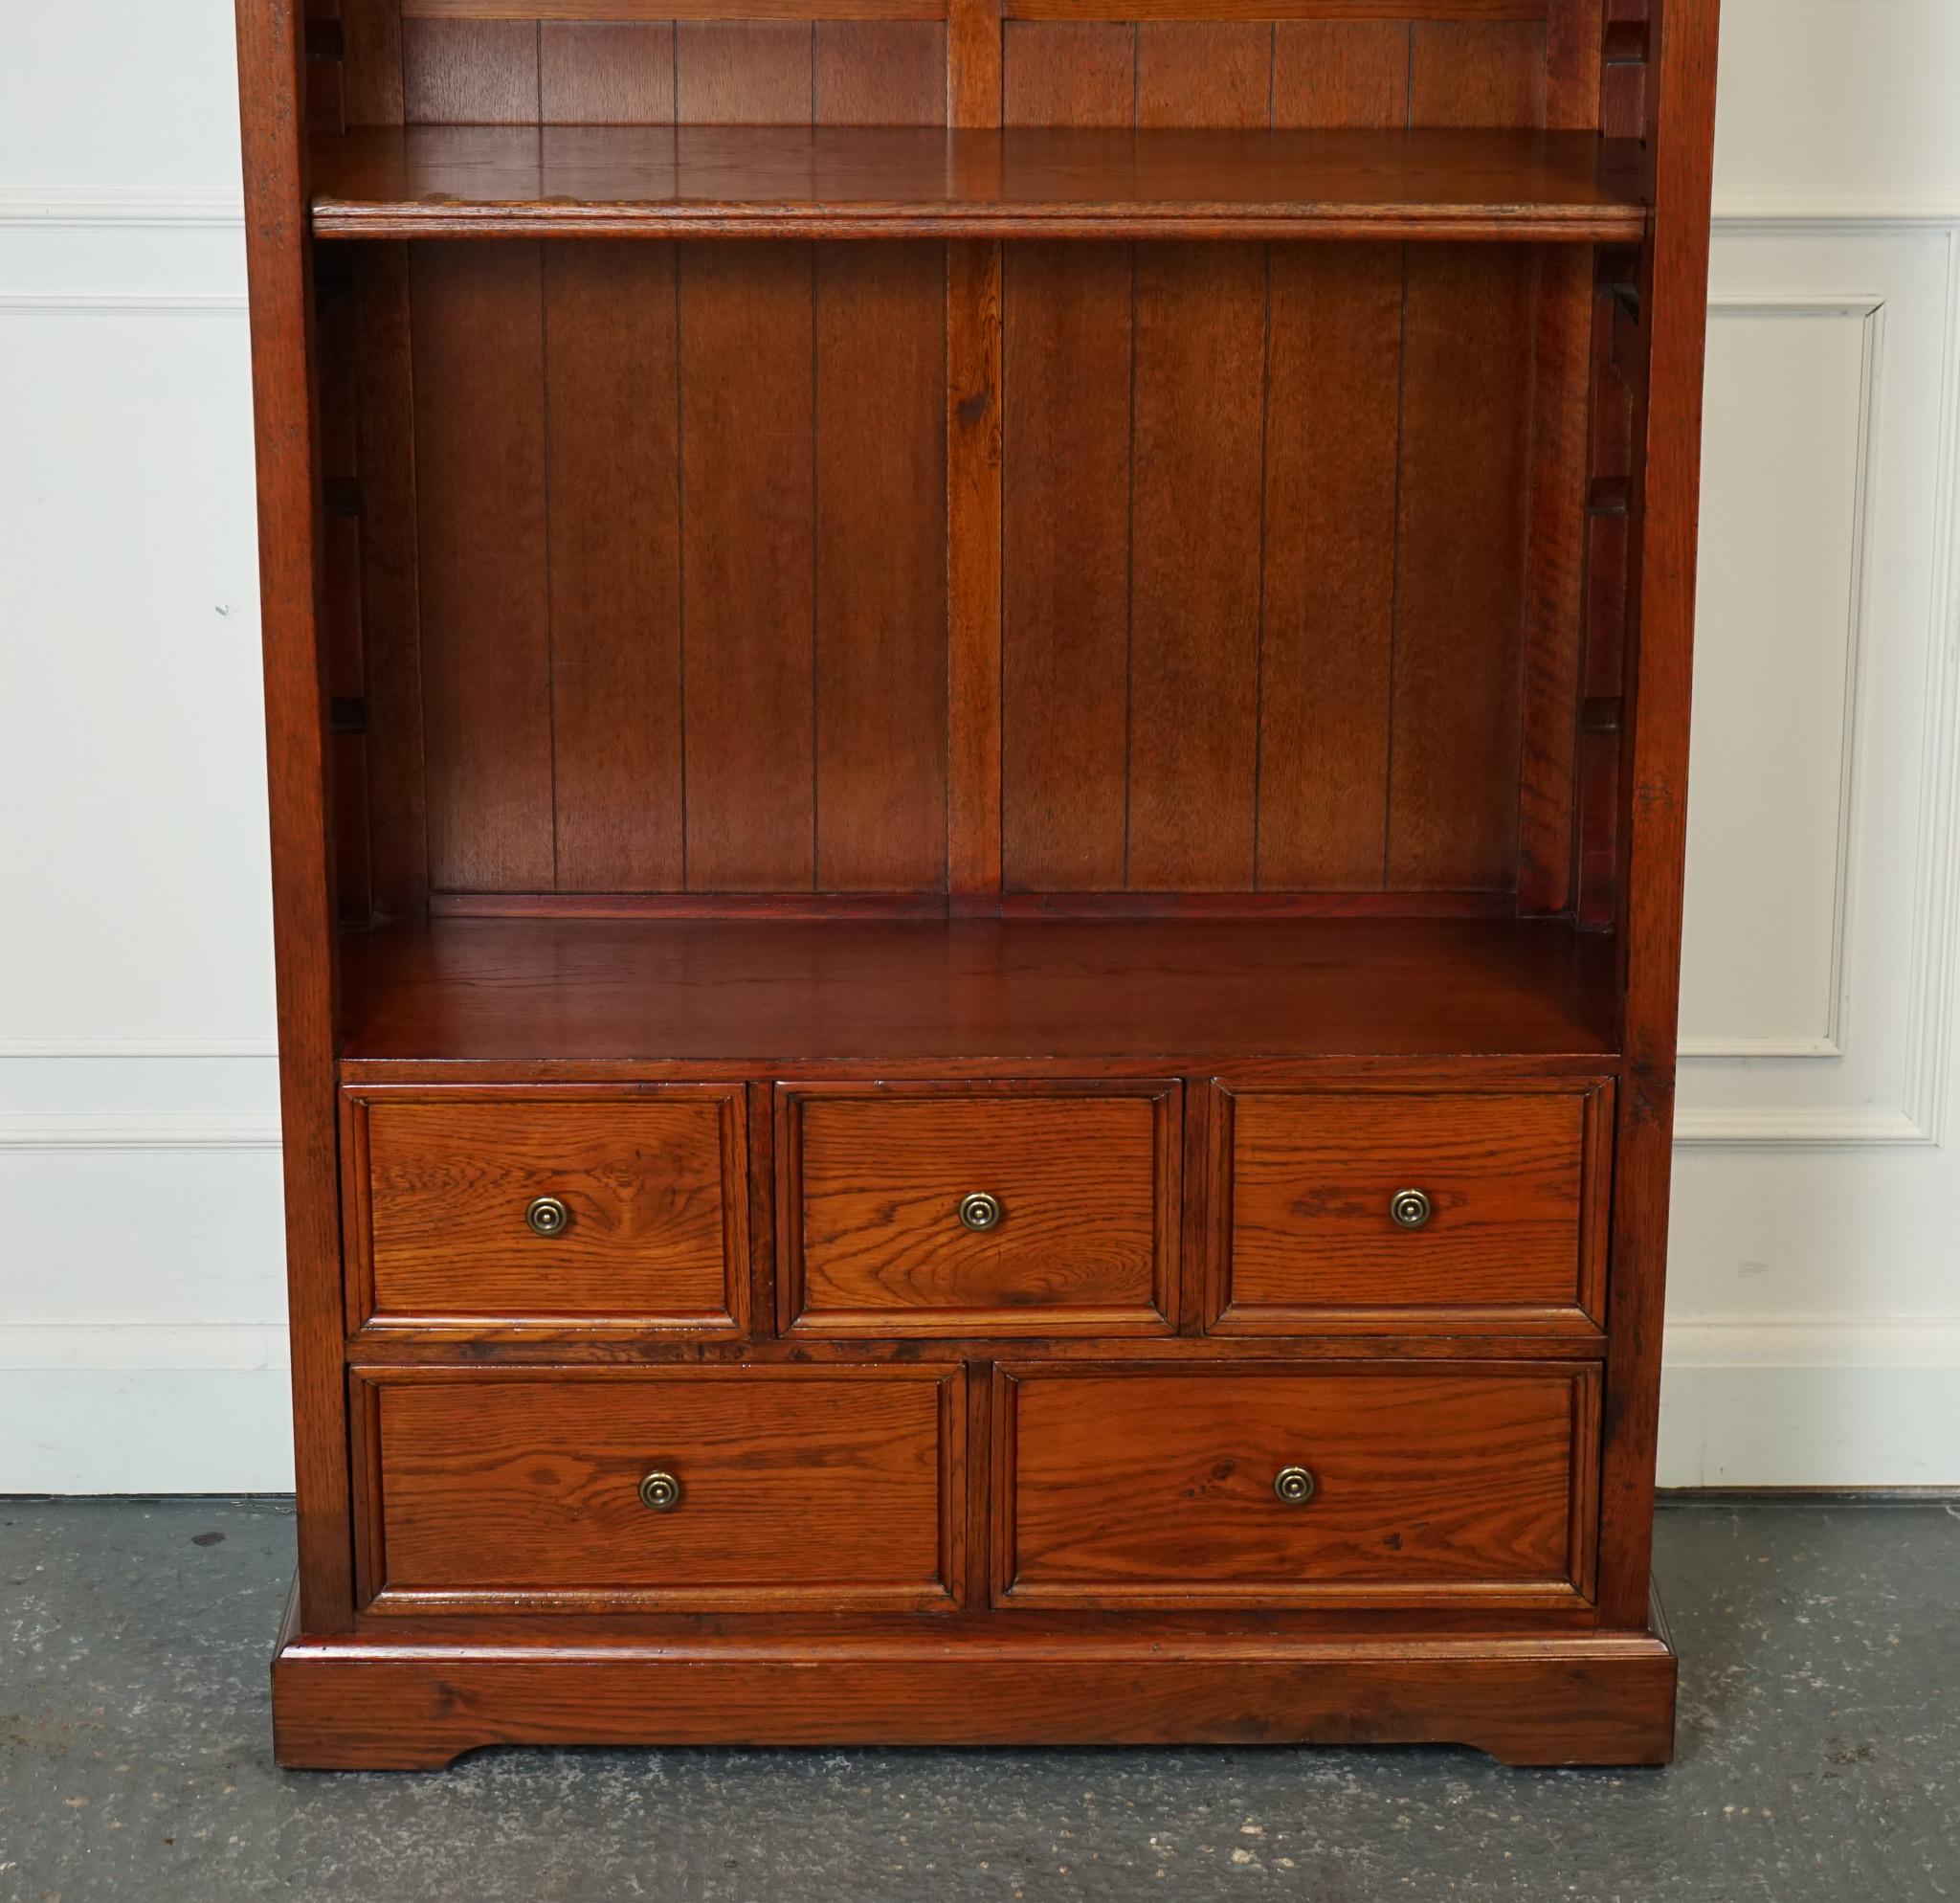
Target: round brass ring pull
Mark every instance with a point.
(980, 1211)
(659, 1492)
(1410, 1209)
(548, 1215)
(1294, 1485)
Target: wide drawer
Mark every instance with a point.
(1241, 1484)
(704, 1488)
(1361, 1208)
(535, 1208)
(978, 1209)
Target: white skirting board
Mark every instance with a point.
(163, 1409)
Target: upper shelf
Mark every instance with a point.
(752, 181)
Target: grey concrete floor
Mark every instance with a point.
(1819, 1758)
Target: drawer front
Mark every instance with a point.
(1507, 1225)
(639, 1201)
(1149, 1485)
(1078, 1234)
(784, 1487)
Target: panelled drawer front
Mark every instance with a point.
(1162, 1485)
(1083, 1187)
(1507, 1226)
(526, 1489)
(647, 1190)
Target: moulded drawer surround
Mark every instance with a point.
(652, 1181)
(518, 1489)
(1155, 1483)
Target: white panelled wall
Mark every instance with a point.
(1813, 1307)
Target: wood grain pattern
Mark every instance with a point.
(479, 465)
(1154, 1486)
(1304, 1239)
(271, 62)
(520, 1488)
(747, 553)
(1452, 785)
(390, 589)
(1653, 779)
(614, 572)
(745, 163)
(869, 1190)
(717, 12)
(778, 991)
(829, 717)
(470, 71)
(605, 73)
(1198, 448)
(439, 1182)
(1575, 1699)
(878, 73)
(1065, 584)
(881, 499)
(1555, 570)
(1334, 416)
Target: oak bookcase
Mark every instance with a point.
(977, 720)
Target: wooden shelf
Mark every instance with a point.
(746, 993)
(923, 182)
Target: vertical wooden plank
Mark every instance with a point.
(973, 473)
(1554, 565)
(748, 495)
(1195, 528)
(606, 72)
(269, 59)
(612, 470)
(974, 62)
(479, 457)
(1454, 776)
(371, 37)
(881, 590)
(1453, 786)
(741, 73)
(880, 73)
(1204, 72)
(1068, 72)
(470, 71)
(1340, 73)
(1065, 375)
(1555, 554)
(389, 594)
(881, 499)
(1332, 421)
(1477, 72)
(1199, 450)
(1673, 303)
(973, 566)
(1572, 30)
(1066, 565)
(747, 562)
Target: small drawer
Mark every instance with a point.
(1238, 1484)
(522, 1209)
(1360, 1208)
(977, 1209)
(671, 1489)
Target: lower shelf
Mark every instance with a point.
(1592, 1699)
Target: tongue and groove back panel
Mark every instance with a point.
(1287, 547)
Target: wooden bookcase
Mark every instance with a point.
(977, 724)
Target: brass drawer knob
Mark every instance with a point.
(1294, 1485)
(659, 1492)
(980, 1211)
(548, 1215)
(1410, 1209)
